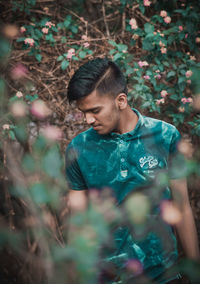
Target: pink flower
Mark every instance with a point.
(181, 109)
(158, 76)
(39, 109)
(163, 50)
(160, 101)
(49, 24)
(192, 57)
(84, 37)
(167, 20)
(186, 35)
(189, 81)
(19, 94)
(6, 126)
(45, 30)
(146, 77)
(18, 109)
(180, 28)
(86, 44)
(170, 213)
(163, 93)
(52, 133)
(135, 266)
(142, 63)
(163, 13)
(188, 73)
(146, 2)
(29, 41)
(133, 24)
(197, 39)
(19, 71)
(22, 29)
(70, 53)
(186, 100)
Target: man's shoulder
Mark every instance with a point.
(155, 123)
(82, 138)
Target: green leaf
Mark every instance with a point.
(60, 58)
(39, 193)
(74, 29)
(38, 57)
(112, 42)
(171, 74)
(64, 64)
(117, 56)
(52, 163)
(122, 47)
(149, 29)
(82, 54)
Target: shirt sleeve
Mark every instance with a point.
(177, 165)
(73, 173)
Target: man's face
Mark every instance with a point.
(101, 112)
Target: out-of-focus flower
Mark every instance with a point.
(186, 148)
(181, 109)
(146, 77)
(163, 50)
(29, 41)
(10, 31)
(163, 13)
(161, 43)
(192, 57)
(157, 71)
(86, 44)
(39, 109)
(19, 71)
(189, 81)
(22, 29)
(137, 207)
(188, 73)
(170, 213)
(18, 109)
(186, 35)
(146, 2)
(52, 133)
(160, 101)
(19, 94)
(6, 126)
(49, 24)
(142, 63)
(167, 20)
(70, 53)
(157, 76)
(77, 201)
(180, 28)
(45, 30)
(84, 37)
(163, 93)
(197, 39)
(135, 266)
(186, 100)
(133, 24)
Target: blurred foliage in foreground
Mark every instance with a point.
(156, 43)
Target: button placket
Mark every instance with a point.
(123, 157)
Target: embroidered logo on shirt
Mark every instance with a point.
(148, 162)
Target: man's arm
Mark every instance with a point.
(186, 228)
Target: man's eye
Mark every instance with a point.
(95, 111)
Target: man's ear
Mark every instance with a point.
(121, 101)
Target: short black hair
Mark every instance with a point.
(99, 74)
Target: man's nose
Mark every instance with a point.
(89, 118)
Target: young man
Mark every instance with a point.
(124, 150)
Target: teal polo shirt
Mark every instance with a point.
(124, 163)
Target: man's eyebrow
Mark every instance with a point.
(90, 109)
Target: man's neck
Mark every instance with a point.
(128, 121)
